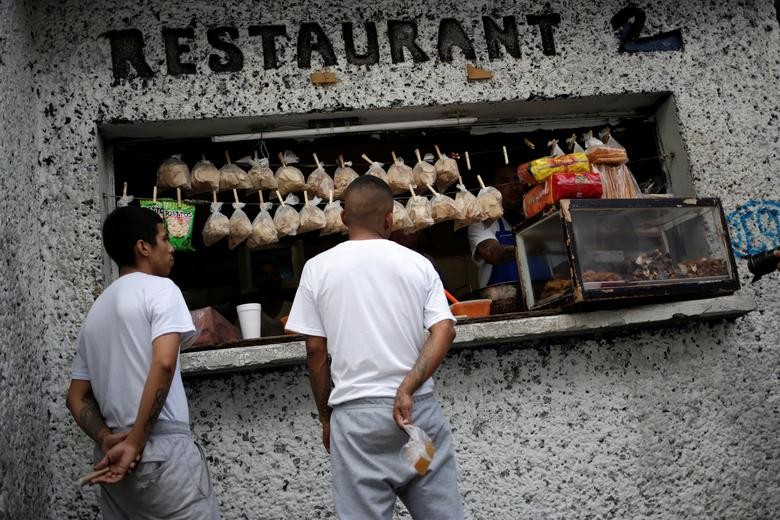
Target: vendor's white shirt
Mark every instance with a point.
(372, 300)
(478, 233)
(115, 345)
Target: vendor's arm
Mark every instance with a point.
(319, 377)
(165, 352)
(85, 410)
(431, 355)
(494, 253)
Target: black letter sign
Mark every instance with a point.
(402, 34)
(127, 47)
(371, 57)
(234, 59)
(451, 34)
(306, 46)
(174, 50)
(630, 21)
(496, 37)
(268, 33)
(546, 22)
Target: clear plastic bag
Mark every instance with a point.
(401, 220)
(469, 208)
(489, 199)
(419, 210)
(320, 183)
(217, 225)
(240, 226)
(443, 208)
(286, 218)
(447, 172)
(173, 173)
(342, 178)
(610, 161)
(263, 229)
(399, 176)
(377, 170)
(205, 176)
(419, 451)
(289, 179)
(261, 175)
(312, 217)
(232, 177)
(333, 221)
(424, 173)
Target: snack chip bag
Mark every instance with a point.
(377, 170)
(261, 175)
(179, 221)
(444, 208)
(289, 179)
(205, 176)
(217, 225)
(571, 163)
(489, 199)
(419, 210)
(312, 217)
(263, 229)
(419, 451)
(173, 173)
(232, 176)
(424, 172)
(468, 206)
(333, 222)
(342, 178)
(240, 226)
(401, 220)
(320, 183)
(399, 176)
(286, 218)
(447, 172)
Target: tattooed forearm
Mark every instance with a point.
(90, 419)
(159, 401)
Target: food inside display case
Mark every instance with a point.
(606, 249)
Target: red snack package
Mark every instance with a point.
(524, 174)
(561, 186)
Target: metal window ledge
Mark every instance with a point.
(484, 333)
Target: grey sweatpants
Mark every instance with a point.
(170, 482)
(367, 469)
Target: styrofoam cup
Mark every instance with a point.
(249, 319)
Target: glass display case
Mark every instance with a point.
(600, 250)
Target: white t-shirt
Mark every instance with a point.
(478, 233)
(114, 349)
(372, 300)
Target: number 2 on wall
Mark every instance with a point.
(629, 22)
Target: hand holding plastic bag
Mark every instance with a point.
(419, 451)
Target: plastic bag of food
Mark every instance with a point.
(261, 175)
(419, 210)
(312, 217)
(173, 173)
(319, 182)
(233, 177)
(205, 176)
(574, 146)
(561, 186)
(240, 226)
(610, 161)
(399, 176)
(447, 172)
(289, 178)
(217, 225)
(178, 220)
(424, 172)
(443, 208)
(571, 163)
(286, 218)
(342, 178)
(263, 228)
(376, 169)
(470, 211)
(333, 221)
(418, 453)
(489, 199)
(401, 220)
(599, 153)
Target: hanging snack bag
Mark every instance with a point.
(217, 225)
(489, 199)
(571, 163)
(333, 221)
(233, 177)
(401, 220)
(286, 218)
(289, 178)
(375, 169)
(610, 161)
(443, 207)
(447, 172)
(419, 211)
(342, 178)
(173, 173)
(524, 174)
(399, 176)
(240, 226)
(468, 207)
(179, 221)
(261, 175)
(419, 451)
(319, 183)
(561, 186)
(312, 217)
(263, 229)
(205, 176)
(424, 172)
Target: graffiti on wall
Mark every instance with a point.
(755, 227)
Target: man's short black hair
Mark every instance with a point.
(369, 182)
(124, 227)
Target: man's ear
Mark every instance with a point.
(142, 249)
(388, 224)
(344, 218)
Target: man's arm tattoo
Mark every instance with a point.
(90, 418)
(159, 401)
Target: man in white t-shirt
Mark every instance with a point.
(126, 391)
(367, 303)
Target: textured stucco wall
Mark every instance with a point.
(23, 421)
(664, 424)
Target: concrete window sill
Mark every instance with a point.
(479, 333)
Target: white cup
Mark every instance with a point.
(249, 319)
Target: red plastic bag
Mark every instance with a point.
(561, 186)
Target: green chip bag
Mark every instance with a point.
(178, 221)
